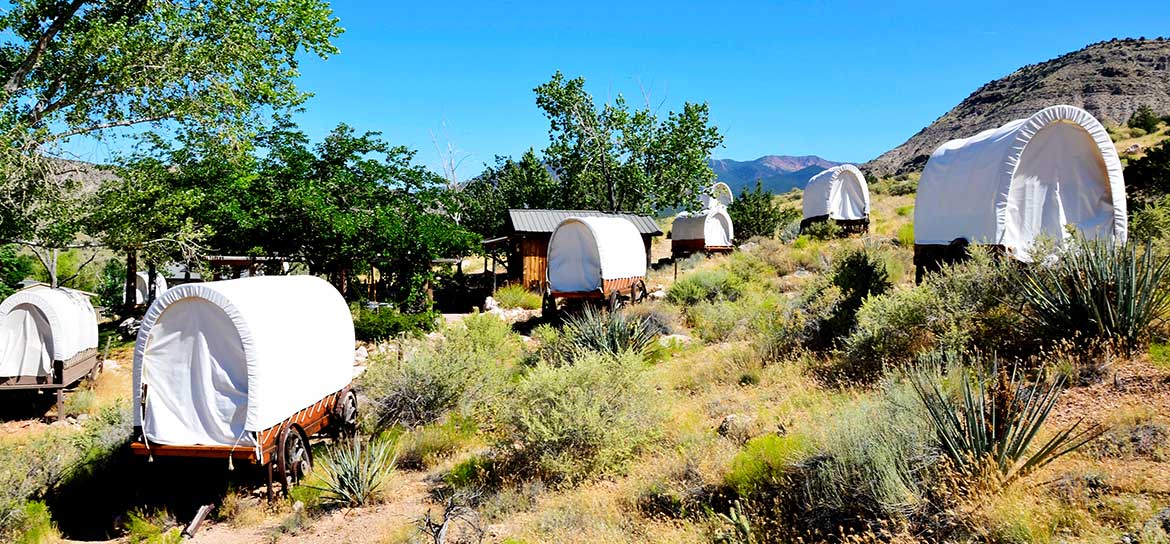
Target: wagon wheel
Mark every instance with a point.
(345, 425)
(94, 373)
(615, 301)
(638, 292)
(548, 306)
(294, 460)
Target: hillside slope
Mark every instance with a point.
(1109, 79)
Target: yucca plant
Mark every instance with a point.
(1099, 291)
(995, 420)
(352, 471)
(610, 333)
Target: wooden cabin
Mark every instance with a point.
(525, 244)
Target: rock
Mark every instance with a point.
(110, 364)
(672, 339)
(360, 355)
(490, 304)
(1133, 149)
(737, 427)
(298, 506)
(128, 328)
(1161, 520)
(801, 273)
(748, 246)
(657, 295)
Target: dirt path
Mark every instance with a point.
(406, 494)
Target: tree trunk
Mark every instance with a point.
(151, 278)
(53, 254)
(343, 280)
(131, 299)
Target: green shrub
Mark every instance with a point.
(384, 323)
(995, 421)
(152, 528)
(1144, 119)
(855, 275)
(516, 296)
(764, 460)
(969, 306)
(726, 320)
(709, 285)
(1150, 221)
(609, 333)
(756, 213)
(353, 471)
(571, 423)
(904, 211)
(35, 525)
(906, 235)
(81, 401)
(1098, 292)
(425, 446)
(463, 371)
(111, 286)
(823, 230)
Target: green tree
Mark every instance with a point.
(1145, 119)
(84, 68)
(756, 213)
(354, 200)
(14, 268)
(621, 159)
(525, 183)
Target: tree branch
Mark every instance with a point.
(16, 80)
(103, 126)
(80, 267)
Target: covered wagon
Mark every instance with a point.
(246, 369)
(142, 287)
(839, 193)
(1009, 186)
(595, 258)
(48, 340)
(709, 230)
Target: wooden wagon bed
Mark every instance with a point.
(683, 248)
(65, 373)
(336, 412)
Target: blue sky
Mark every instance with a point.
(844, 80)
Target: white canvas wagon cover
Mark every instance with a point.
(224, 360)
(41, 325)
(585, 251)
(1030, 177)
(712, 226)
(142, 287)
(839, 192)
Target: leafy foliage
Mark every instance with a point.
(856, 275)
(353, 471)
(996, 421)
(566, 424)
(756, 213)
(1098, 291)
(516, 296)
(1144, 118)
(385, 323)
(14, 268)
(618, 159)
(525, 183)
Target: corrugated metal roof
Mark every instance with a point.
(523, 220)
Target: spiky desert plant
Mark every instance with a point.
(995, 420)
(611, 333)
(352, 471)
(1098, 290)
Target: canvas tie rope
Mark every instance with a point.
(232, 467)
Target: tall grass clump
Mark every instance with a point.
(610, 333)
(464, 371)
(352, 472)
(704, 285)
(994, 422)
(1099, 291)
(516, 296)
(566, 424)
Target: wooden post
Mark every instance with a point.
(59, 380)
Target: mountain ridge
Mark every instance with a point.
(1110, 80)
(778, 173)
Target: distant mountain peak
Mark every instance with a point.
(779, 173)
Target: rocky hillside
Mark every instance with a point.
(1109, 79)
(779, 173)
